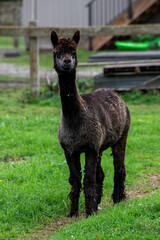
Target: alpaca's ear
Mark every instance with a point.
(76, 36)
(54, 38)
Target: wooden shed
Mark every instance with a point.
(55, 13)
(73, 13)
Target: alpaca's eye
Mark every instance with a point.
(56, 54)
(74, 54)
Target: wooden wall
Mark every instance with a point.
(57, 12)
(72, 13)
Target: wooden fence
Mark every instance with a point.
(33, 33)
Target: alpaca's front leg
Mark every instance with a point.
(74, 165)
(90, 181)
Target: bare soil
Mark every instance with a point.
(145, 187)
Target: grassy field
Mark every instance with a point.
(34, 174)
(11, 78)
(7, 42)
(45, 58)
(136, 219)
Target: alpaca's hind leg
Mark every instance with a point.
(99, 181)
(75, 181)
(118, 151)
(90, 181)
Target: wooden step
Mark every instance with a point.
(139, 8)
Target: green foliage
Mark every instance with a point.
(143, 38)
(139, 97)
(49, 93)
(85, 85)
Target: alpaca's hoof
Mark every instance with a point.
(91, 212)
(71, 215)
(118, 199)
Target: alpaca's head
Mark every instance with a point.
(65, 52)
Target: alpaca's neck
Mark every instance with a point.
(70, 98)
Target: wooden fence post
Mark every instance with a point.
(34, 63)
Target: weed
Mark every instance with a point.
(139, 97)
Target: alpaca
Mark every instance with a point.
(90, 123)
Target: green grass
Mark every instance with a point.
(34, 175)
(45, 58)
(11, 78)
(134, 220)
(22, 60)
(7, 43)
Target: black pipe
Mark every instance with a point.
(89, 5)
(90, 24)
(130, 13)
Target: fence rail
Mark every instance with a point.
(91, 31)
(35, 32)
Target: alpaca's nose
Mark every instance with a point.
(67, 60)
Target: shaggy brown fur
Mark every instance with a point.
(90, 123)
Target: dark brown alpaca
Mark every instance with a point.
(90, 123)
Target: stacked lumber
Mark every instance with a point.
(128, 75)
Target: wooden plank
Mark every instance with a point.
(130, 65)
(152, 80)
(85, 31)
(129, 71)
(138, 67)
(90, 64)
(125, 56)
(136, 70)
(133, 68)
(129, 74)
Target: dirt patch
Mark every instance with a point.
(49, 229)
(145, 187)
(155, 180)
(9, 158)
